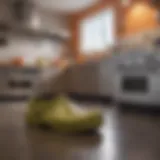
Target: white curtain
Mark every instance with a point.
(109, 25)
(97, 32)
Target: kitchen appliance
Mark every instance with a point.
(20, 17)
(136, 77)
(135, 84)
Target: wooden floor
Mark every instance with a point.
(124, 136)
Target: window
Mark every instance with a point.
(97, 32)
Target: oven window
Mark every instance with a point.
(135, 84)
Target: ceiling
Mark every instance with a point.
(65, 6)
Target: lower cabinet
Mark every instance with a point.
(84, 79)
(87, 79)
(17, 82)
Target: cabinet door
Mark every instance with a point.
(107, 75)
(4, 79)
(74, 79)
(90, 76)
(85, 79)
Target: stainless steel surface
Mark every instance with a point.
(26, 19)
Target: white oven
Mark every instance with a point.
(135, 80)
(137, 88)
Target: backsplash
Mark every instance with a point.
(29, 49)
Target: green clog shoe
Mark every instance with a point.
(37, 110)
(63, 116)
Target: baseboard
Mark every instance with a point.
(72, 95)
(8, 98)
(91, 98)
(139, 107)
(79, 97)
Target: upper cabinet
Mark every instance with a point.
(48, 22)
(22, 15)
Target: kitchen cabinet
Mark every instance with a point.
(18, 81)
(3, 81)
(106, 77)
(59, 82)
(90, 78)
(84, 79)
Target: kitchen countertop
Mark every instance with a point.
(124, 136)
